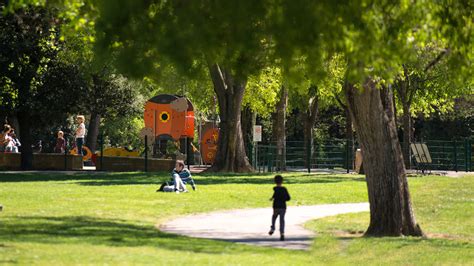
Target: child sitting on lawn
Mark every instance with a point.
(280, 197)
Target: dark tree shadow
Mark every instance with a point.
(94, 231)
(95, 178)
(401, 242)
(140, 178)
(289, 178)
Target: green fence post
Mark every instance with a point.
(146, 154)
(466, 154)
(254, 151)
(101, 152)
(250, 152)
(347, 155)
(469, 150)
(65, 154)
(270, 159)
(455, 156)
(308, 155)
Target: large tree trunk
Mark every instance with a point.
(231, 156)
(390, 204)
(93, 132)
(279, 128)
(309, 120)
(249, 118)
(24, 121)
(349, 133)
(308, 139)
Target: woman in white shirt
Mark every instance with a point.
(80, 133)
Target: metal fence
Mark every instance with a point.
(339, 154)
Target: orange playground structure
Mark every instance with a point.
(170, 116)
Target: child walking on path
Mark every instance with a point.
(280, 197)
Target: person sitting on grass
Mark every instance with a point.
(280, 197)
(181, 176)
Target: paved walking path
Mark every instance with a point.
(251, 226)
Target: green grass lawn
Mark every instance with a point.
(110, 219)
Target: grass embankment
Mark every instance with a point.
(110, 218)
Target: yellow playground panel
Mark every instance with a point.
(87, 154)
(120, 152)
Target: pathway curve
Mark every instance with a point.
(251, 226)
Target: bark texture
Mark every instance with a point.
(249, 119)
(231, 156)
(310, 117)
(279, 128)
(406, 89)
(391, 211)
(26, 139)
(93, 132)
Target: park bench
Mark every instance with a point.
(422, 157)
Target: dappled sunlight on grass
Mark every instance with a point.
(111, 218)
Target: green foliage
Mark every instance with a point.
(431, 83)
(198, 89)
(123, 131)
(190, 35)
(261, 93)
(32, 76)
(111, 95)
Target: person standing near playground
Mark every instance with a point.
(6, 142)
(16, 141)
(80, 133)
(280, 197)
(60, 143)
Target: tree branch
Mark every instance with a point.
(314, 109)
(339, 101)
(437, 59)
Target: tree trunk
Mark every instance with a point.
(231, 156)
(24, 121)
(405, 90)
(279, 128)
(349, 133)
(309, 119)
(93, 132)
(407, 134)
(308, 137)
(390, 204)
(248, 121)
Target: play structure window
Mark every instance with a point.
(164, 117)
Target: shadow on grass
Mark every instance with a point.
(401, 242)
(266, 179)
(137, 178)
(94, 231)
(94, 178)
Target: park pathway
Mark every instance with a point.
(251, 226)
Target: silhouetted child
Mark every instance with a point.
(60, 143)
(280, 197)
